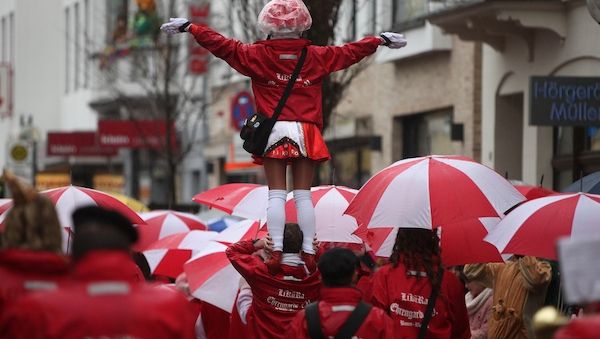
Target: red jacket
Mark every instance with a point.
(214, 320)
(404, 297)
(237, 329)
(275, 299)
(104, 300)
(269, 65)
(587, 327)
(333, 315)
(22, 271)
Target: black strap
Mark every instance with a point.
(290, 85)
(348, 329)
(430, 304)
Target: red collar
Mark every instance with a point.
(33, 261)
(340, 295)
(106, 265)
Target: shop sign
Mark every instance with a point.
(564, 101)
(76, 144)
(20, 159)
(110, 183)
(134, 134)
(198, 56)
(242, 107)
(46, 181)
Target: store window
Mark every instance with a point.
(425, 134)
(576, 153)
(406, 13)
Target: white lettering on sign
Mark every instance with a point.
(109, 139)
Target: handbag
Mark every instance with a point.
(256, 129)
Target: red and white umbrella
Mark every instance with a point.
(330, 202)
(534, 227)
(212, 278)
(432, 191)
(167, 255)
(243, 230)
(162, 223)
(532, 192)
(242, 200)
(460, 244)
(5, 205)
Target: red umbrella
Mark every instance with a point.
(5, 205)
(534, 192)
(534, 227)
(460, 244)
(432, 191)
(212, 278)
(243, 230)
(167, 255)
(242, 200)
(162, 223)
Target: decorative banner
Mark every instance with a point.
(6, 90)
(242, 107)
(198, 56)
(135, 134)
(76, 144)
(565, 101)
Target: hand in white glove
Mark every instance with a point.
(393, 40)
(175, 25)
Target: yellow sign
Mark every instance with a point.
(110, 183)
(19, 152)
(46, 181)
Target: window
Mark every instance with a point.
(67, 50)
(408, 12)
(76, 34)
(86, 38)
(426, 134)
(116, 20)
(3, 38)
(11, 33)
(373, 16)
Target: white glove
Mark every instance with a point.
(393, 40)
(175, 25)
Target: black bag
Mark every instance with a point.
(257, 128)
(349, 327)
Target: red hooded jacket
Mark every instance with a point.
(404, 297)
(275, 299)
(334, 310)
(23, 271)
(587, 327)
(270, 64)
(105, 299)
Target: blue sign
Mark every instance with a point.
(242, 107)
(565, 101)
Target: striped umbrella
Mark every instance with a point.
(162, 223)
(242, 200)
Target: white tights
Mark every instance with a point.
(306, 217)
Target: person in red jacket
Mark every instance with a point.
(106, 299)
(275, 298)
(339, 299)
(296, 137)
(403, 288)
(31, 245)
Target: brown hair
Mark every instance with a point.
(292, 238)
(418, 249)
(32, 222)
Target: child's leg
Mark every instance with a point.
(275, 173)
(303, 170)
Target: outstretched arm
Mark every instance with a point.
(234, 52)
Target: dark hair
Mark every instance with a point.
(292, 238)
(418, 249)
(337, 267)
(100, 229)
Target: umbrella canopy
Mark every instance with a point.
(588, 184)
(5, 205)
(460, 244)
(243, 230)
(162, 223)
(534, 227)
(242, 200)
(167, 255)
(432, 191)
(212, 278)
(534, 192)
(330, 202)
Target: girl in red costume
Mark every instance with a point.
(296, 138)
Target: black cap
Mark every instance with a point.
(109, 218)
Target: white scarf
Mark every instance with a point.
(474, 304)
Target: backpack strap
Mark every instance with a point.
(430, 304)
(354, 321)
(313, 321)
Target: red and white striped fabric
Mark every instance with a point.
(162, 223)
(460, 244)
(432, 191)
(330, 202)
(167, 255)
(5, 205)
(243, 230)
(534, 227)
(212, 278)
(242, 200)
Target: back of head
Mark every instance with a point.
(280, 17)
(97, 229)
(32, 222)
(337, 267)
(292, 238)
(417, 249)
